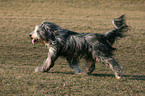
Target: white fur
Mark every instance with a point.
(35, 33)
(51, 50)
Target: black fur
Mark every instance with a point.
(73, 45)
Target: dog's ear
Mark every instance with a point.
(43, 33)
(46, 33)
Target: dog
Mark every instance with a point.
(73, 46)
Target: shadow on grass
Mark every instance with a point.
(71, 73)
(132, 77)
(135, 77)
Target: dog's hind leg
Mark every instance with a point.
(89, 67)
(74, 64)
(114, 66)
(49, 63)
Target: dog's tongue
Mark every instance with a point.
(33, 41)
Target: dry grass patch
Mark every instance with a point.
(18, 58)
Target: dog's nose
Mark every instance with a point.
(30, 35)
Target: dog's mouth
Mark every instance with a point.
(33, 40)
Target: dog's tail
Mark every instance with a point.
(120, 28)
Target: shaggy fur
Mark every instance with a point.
(73, 46)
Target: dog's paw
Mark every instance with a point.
(38, 69)
(117, 76)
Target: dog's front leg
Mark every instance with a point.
(74, 64)
(49, 63)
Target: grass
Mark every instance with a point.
(19, 59)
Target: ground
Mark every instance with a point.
(19, 58)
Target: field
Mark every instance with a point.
(19, 58)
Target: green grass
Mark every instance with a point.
(19, 59)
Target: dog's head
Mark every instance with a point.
(44, 33)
